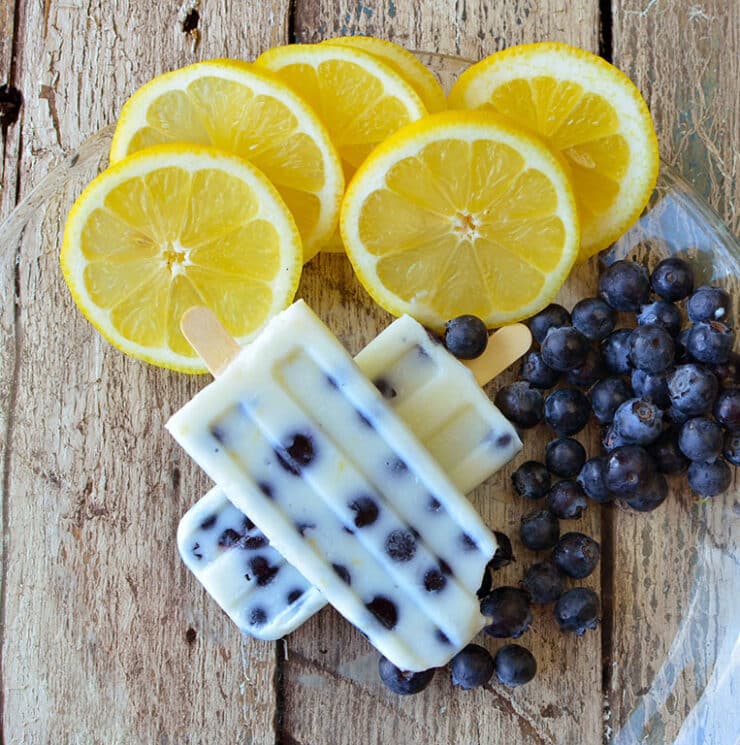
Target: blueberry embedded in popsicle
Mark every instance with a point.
(433, 505)
(297, 451)
(385, 388)
(293, 595)
(266, 489)
(400, 545)
(257, 617)
(253, 542)
(343, 573)
(385, 610)
(366, 510)
(228, 538)
(434, 580)
(209, 522)
(262, 570)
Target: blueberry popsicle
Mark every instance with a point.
(439, 400)
(299, 439)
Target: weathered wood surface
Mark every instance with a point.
(106, 637)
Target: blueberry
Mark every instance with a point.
(667, 454)
(672, 279)
(638, 421)
(400, 545)
(402, 682)
(700, 440)
(606, 397)
(650, 495)
(262, 570)
(385, 388)
(434, 580)
(466, 337)
(257, 617)
(731, 447)
(343, 573)
(366, 510)
(591, 479)
(539, 530)
(509, 612)
(536, 372)
(651, 348)
(625, 285)
(514, 665)
(567, 411)
(653, 387)
(576, 555)
(543, 582)
(589, 372)
(728, 373)
(611, 439)
(504, 553)
(626, 468)
(228, 538)
(578, 610)
(521, 404)
(296, 452)
(384, 610)
(709, 479)
(551, 317)
(709, 304)
(594, 318)
(615, 352)
(564, 348)
(661, 313)
(564, 456)
(566, 500)
(692, 389)
(471, 667)
(710, 343)
(531, 480)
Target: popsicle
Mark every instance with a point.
(465, 433)
(299, 439)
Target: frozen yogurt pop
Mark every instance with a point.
(438, 398)
(301, 441)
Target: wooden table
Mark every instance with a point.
(106, 637)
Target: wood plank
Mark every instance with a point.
(106, 635)
(668, 617)
(330, 676)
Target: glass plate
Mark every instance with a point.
(691, 689)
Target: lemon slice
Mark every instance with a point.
(247, 111)
(360, 99)
(408, 66)
(461, 213)
(587, 110)
(172, 227)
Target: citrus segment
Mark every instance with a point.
(175, 226)
(246, 111)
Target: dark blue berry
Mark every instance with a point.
(606, 397)
(402, 682)
(700, 440)
(611, 439)
(625, 285)
(471, 667)
(652, 387)
(400, 545)
(591, 479)
(661, 313)
(578, 610)
(384, 610)
(566, 500)
(615, 351)
(682, 355)
(466, 337)
(709, 304)
(564, 348)
(672, 279)
(531, 480)
(536, 372)
(651, 348)
(508, 610)
(594, 318)
(539, 530)
(709, 479)
(692, 389)
(731, 447)
(543, 582)
(667, 454)
(626, 468)
(728, 373)
(385, 388)
(366, 510)
(567, 411)
(521, 404)
(650, 495)
(576, 555)
(710, 343)
(638, 421)
(504, 553)
(514, 665)
(589, 372)
(297, 452)
(551, 317)
(564, 457)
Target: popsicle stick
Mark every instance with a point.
(505, 347)
(213, 343)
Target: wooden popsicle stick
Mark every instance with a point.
(206, 334)
(505, 347)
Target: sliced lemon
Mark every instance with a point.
(585, 109)
(175, 226)
(359, 98)
(461, 213)
(408, 66)
(247, 111)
